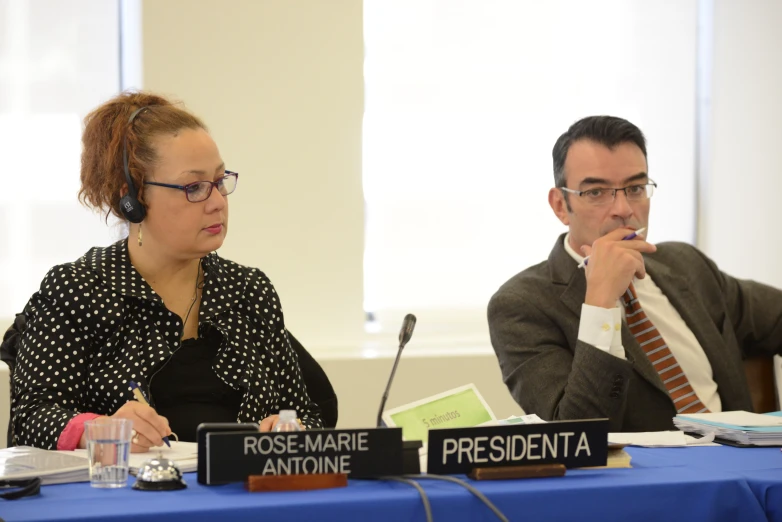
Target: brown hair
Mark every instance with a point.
(105, 129)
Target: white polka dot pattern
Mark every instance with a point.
(96, 324)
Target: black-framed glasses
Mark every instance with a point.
(201, 190)
(606, 196)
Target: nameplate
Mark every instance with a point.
(572, 443)
(233, 456)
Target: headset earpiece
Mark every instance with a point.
(132, 209)
(129, 205)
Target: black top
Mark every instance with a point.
(187, 391)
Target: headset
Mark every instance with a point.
(129, 205)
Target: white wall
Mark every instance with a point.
(280, 84)
(4, 324)
(740, 202)
(740, 194)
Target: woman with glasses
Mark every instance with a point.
(203, 338)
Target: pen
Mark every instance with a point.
(140, 397)
(583, 263)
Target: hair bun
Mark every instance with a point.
(105, 131)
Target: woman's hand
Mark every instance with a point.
(270, 422)
(149, 428)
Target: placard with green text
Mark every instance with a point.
(462, 407)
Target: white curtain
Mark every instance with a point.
(58, 60)
(464, 101)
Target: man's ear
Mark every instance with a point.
(556, 199)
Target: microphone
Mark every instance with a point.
(408, 324)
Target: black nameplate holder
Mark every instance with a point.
(575, 444)
(232, 456)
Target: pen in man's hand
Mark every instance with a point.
(140, 397)
(583, 263)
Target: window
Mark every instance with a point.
(464, 101)
(58, 60)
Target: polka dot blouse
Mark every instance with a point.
(96, 324)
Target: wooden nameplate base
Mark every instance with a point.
(516, 472)
(257, 483)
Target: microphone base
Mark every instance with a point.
(411, 462)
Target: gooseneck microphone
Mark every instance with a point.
(404, 337)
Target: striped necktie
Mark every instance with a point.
(684, 397)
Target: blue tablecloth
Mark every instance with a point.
(718, 483)
(760, 467)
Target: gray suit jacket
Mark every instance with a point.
(534, 320)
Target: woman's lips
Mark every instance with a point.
(214, 229)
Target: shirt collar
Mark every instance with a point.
(222, 288)
(113, 267)
(569, 249)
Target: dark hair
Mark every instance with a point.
(105, 128)
(605, 130)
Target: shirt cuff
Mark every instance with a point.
(602, 328)
(71, 435)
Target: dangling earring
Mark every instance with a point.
(140, 237)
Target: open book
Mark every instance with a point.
(60, 467)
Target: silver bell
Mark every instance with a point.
(159, 474)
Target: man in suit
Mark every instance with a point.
(642, 332)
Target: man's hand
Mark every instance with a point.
(612, 265)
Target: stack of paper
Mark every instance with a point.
(54, 467)
(740, 427)
(617, 458)
(184, 455)
(659, 439)
(60, 467)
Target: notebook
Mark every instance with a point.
(660, 439)
(60, 467)
(54, 467)
(617, 458)
(735, 427)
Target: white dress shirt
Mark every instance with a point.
(602, 328)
